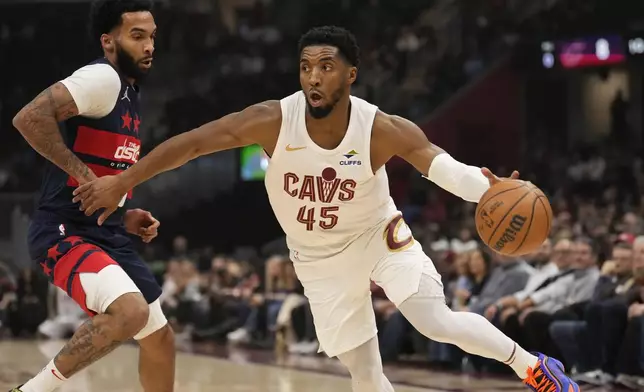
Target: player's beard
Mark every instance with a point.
(323, 111)
(128, 66)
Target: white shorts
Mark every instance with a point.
(338, 287)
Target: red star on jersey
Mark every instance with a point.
(137, 122)
(45, 269)
(127, 121)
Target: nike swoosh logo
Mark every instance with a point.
(289, 148)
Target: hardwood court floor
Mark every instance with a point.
(19, 360)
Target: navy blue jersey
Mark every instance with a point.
(105, 136)
(107, 145)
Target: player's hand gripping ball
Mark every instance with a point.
(513, 217)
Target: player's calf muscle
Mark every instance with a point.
(103, 333)
(90, 343)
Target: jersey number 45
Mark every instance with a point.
(327, 220)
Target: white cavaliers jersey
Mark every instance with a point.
(324, 199)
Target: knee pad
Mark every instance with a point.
(102, 288)
(156, 321)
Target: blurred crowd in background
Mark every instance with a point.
(580, 298)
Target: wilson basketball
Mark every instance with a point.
(513, 217)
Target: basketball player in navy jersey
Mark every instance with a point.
(328, 187)
(87, 126)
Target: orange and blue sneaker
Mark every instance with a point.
(549, 376)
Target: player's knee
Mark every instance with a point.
(156, 324)
(160, 340)
(130, 313)
(166, 335)
(430, 316)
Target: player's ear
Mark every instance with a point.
(107, 42)
(353, 74)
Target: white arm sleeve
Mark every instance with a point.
(95, 89)
(466, 182)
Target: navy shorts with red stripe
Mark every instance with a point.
(65, 250)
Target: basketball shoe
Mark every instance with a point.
(17, 389)
(549, 376)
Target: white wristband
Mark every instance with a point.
(466, 182)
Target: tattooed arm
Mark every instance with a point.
(38, 124)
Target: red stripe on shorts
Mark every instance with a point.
(66, 268)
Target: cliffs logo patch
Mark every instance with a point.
(350, 154)
(350, 161)
(510, 233)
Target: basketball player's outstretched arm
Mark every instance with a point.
(401, 137)
(257, 124)
(38, 124)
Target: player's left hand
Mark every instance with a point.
(103, 193)
(494, 179)
(142, 223)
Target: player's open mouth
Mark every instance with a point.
(315, 99)
(146, 63)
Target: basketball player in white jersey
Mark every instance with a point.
(329, 189)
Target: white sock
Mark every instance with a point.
(521, 360)
(48, 380)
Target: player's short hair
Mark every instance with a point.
(338, 37)
(105, 15)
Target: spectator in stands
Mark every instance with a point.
(306, 342)
(570, 291)
(629, 366)
(465, 241)
(630, 361)
(29, 309)
(279, 283)
(459, 289)
(508, 277)
(181, 293)
(508, 319)
(64, 315)
(546, 265)
(232, 292)
(180, 247)
(294, 341)
(606, 317)
(568, 335)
